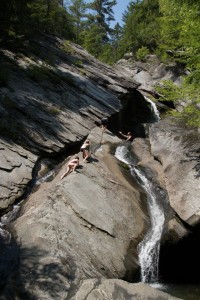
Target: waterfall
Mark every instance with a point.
(149, 248)
(154, 108)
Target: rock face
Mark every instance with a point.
(16, 169)
(149, 73)
(113, 289)
(79, 227)
(177, 149)
(172, 153)
(52, 95)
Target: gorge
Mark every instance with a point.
(78, 238)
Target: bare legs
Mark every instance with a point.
(70, 168)
(86, 155)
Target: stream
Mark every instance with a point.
(148, 249)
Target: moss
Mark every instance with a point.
(54, 110)
(78, 63)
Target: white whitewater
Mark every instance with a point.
(5, 220)
(154, 108)
(44, 178)
(149, 248)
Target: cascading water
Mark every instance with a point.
(154, 108)
(5, 220)
(150, 246)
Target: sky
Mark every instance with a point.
(118, 9)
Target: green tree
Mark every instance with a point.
(27, 17)
(93, 40)
(51, 17)
(77, 9)
(115, 37)
(101, 13)
(141, 26)
(180, 34)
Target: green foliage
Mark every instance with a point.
(108, 54)
(78, 63)
(189, 94)
(169, 91)
(142, 53)
(67, 47)
(77, 9)
(29, 17)
(141, 27)
(93, 40)
(98, 30)
(190, 115)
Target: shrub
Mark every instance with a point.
(142, 53)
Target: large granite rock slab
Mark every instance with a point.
(81, 226)
(54, 93)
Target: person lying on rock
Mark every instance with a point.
(71, 166)
(85, 148)
(128, 136)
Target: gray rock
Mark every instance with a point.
(115, 289)
(81, 226)
(176, 146)
(50, 102)
(16, 166)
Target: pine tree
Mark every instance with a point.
(141, 26)
(77, 9)
(27, 17)
(99, 23)
(93, 40)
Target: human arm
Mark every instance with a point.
(124, 135)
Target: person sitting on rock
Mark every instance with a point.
(85, 149)
(128, 136)
(71, 166)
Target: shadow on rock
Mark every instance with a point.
(29, 273)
